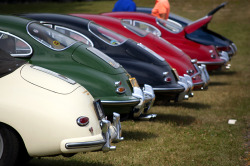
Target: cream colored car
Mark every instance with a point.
(43, 113)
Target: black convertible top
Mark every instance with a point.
(8, 64)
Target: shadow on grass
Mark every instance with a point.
(178, 120)
(137, 135)
(53, 162)
(228, 73)
(218, 83)
(196, 106)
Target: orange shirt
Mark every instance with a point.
(161, 7)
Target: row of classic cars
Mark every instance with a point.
(80, 72)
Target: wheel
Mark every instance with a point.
(9, 146)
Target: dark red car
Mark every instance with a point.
(174, 56)
(175, 33)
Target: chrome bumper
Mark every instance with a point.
(116, 128)
(233, 50)
(147, 98)
(104, 144)
(187, 83)
(204, 76)
(224, 55)
(202, 70)
(105, 125)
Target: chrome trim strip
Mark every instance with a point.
(168, 89)
(57, 75)
(77, 145)
(110, 102)
(211, 63)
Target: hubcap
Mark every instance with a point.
(1, 146)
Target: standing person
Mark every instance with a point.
(124, 5)
(161, 9)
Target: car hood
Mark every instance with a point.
(48, 79)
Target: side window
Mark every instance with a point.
(147, 27)
(74, 34)
(128, 21)
(14, 45)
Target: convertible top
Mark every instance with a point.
(8, 64)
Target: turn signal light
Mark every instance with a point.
(82, 121)
(120, 90)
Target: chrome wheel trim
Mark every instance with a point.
(1, 146)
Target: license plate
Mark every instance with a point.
(176, 74)
(133, 82)
(99, 109)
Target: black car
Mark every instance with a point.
(202, 35)
(140, 62)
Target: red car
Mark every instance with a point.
(176, 34)
(174, 56)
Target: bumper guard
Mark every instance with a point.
(147, 98)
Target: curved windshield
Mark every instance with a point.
(170, 25)
(49, 37)
(106, 35)
(135, 30)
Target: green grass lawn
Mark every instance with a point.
(194, 132)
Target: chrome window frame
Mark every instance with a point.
(157, 22)
(27, 29)
(125, 26)
(76, 32)
(156, 29)
(91, 22)
(19, 55)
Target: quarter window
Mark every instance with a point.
(144, 26)
(70, 33)
(50, 37)
(170, 25)
(75, 35)
(14, 45)
(106, 35)
(134, 29)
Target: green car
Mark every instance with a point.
(104, 78)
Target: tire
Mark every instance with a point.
(9, 146)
